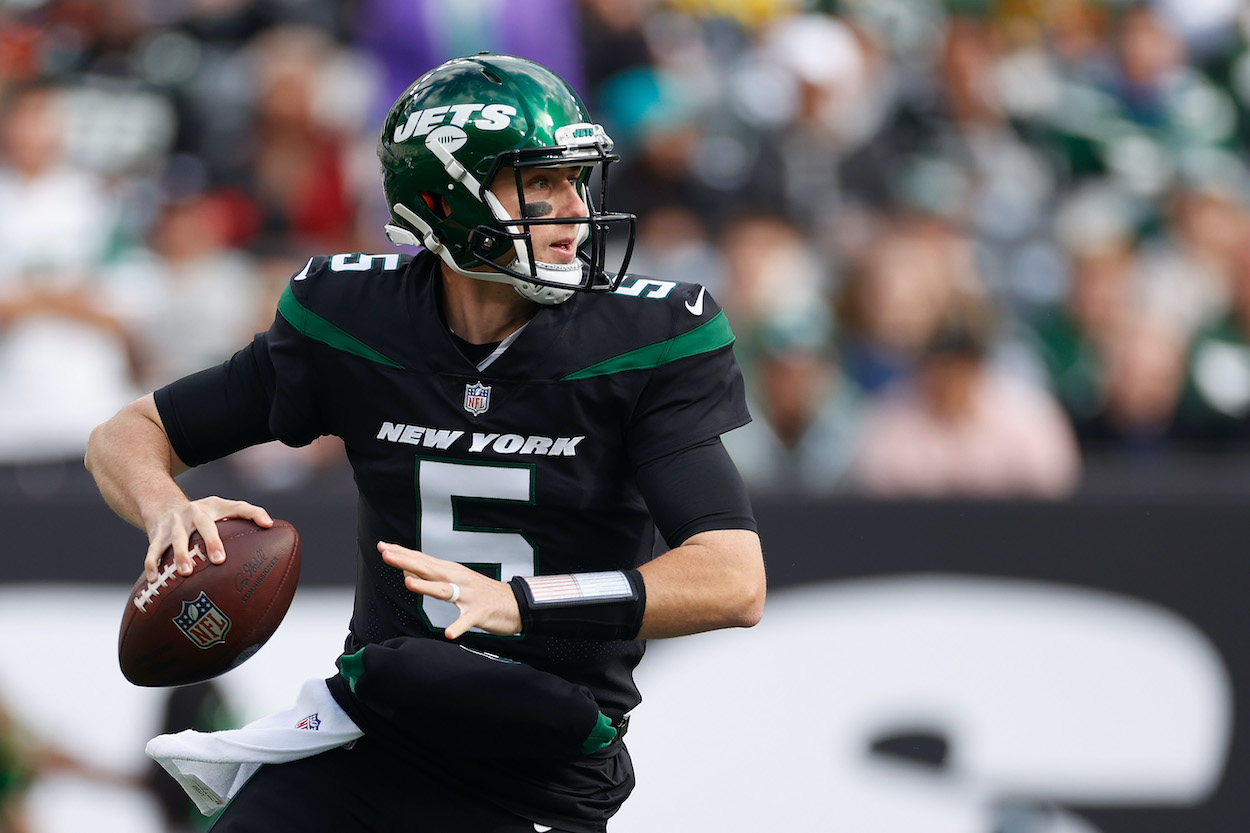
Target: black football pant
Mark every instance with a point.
(365, 788)
(452, 737)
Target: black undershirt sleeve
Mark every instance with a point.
(694, 490)
(218, 411)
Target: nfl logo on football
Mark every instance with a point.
(203, 622)
(476, 398)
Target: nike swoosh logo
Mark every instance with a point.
(541, 828)
(303, 272)
(697, 307)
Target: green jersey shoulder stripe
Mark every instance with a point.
(709, 336)
(319, 329)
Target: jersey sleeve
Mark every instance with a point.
(298, 413)
(695, 490)
(221, 409)
(695, 392)
(295, 411)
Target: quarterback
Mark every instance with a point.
(520, 417)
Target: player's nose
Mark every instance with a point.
(571, 203)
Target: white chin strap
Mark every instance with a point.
(569, 274)
(542, 293)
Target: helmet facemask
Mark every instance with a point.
(539, 279)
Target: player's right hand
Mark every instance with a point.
(482, 601)
(173, 527)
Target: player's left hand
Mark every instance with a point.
(483, 602)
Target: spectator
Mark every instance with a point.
(1150, 58)
(964, 429)
(1187, 271)
(1216, 403)
(56, 219)
(190, 299)
(673, 240)
(63, 361)
(770, 271)
(807, 414)
(299, 167)
(1144, 360)
(202, 60)
(1093, 232)
(1140, 107)
(613, 39)
(828, 84)
(952, 150)
(891, 303)
(659, 117)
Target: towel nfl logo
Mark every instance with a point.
(476, 398)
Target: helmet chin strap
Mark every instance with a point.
(543, 293)
(563, 273)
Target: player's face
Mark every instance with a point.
(548, 192)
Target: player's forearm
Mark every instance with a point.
(132, 463)
(713, 580)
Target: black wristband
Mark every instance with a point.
(606, 605)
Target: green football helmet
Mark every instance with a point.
(463, 124)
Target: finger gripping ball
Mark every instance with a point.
(180, 629)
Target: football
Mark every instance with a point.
(184, 629)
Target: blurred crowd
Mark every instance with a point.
(27, 759)
(967, 246)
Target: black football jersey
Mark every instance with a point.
(520, 464)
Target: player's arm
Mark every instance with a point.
(134, 460)
(133, 464)
(714, 576)
(712, 580)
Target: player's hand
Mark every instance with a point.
(483, 602)
(175, 525)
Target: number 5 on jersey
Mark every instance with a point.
(498, 553)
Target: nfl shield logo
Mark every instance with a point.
(476, 398)
(203, 622)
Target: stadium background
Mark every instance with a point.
(1028, 218)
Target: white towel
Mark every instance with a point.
(213, 766)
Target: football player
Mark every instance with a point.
(520, 418)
